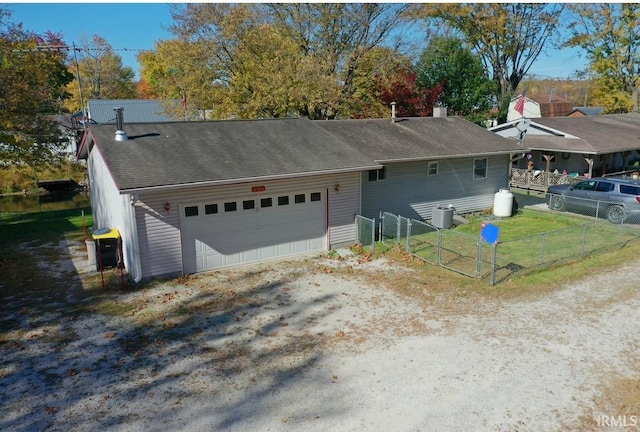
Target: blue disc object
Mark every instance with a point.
(490, 233)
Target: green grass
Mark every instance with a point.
(43, 227)
(524, 224)
(21, 275)
(527, 241)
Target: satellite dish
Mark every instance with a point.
(522, 126)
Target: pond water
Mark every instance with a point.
(46, 202)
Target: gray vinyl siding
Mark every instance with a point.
(159, 230)
(409, 192)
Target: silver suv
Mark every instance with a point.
(616, 199)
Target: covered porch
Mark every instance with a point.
(538, 169)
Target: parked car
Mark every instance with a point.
(617, 199)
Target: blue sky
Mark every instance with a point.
(126, 26)
(136, 26)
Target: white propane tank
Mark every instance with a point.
(503, 203)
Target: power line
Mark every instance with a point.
(53, 48)
(74, 49)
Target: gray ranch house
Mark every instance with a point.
(188, 197)
(566, 149)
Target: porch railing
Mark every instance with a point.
(539, 180)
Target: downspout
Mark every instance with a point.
(134, 243)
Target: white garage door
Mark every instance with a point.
(232, 232)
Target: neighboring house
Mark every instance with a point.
(540, 107)
(583, 111)
(101, 111)
(585, 145)
(189, 197)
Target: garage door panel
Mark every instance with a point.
(268, 252)
(244, 236)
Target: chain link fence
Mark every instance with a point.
(627, 210)
(473, 256)
(366, 232)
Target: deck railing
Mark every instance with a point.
(540, 180)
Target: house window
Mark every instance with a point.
(480, 168)
(191, 211)
(315, 196)
(230, 206)
(211, 208)
(266, 202)
(248, 205)
(432, 168)
(377, 175)
(299, 198)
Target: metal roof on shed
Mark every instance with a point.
(136, 110)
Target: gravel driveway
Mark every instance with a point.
(329, 343)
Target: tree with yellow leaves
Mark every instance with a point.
(610, 35)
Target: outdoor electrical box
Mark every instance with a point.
(107, 241)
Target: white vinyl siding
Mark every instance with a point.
(113, 210)
(159, 231)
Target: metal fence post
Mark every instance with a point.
(373, 236)
(409, 235)
(439, 249)
(494, 260)
(479, 258)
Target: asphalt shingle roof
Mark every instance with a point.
(419, 138)
(597, 134)
(183, 153)
(170, 154)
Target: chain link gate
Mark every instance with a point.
(366, 232)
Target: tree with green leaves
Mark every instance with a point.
(466, 89)
(33, 84)
(509, 37)
(609, 33)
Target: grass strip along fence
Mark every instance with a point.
(549, 239)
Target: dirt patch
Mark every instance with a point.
(334, 342)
